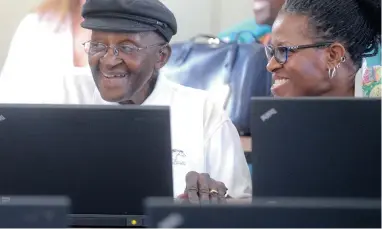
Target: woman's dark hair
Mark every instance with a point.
(354, 23)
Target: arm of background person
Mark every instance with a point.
(23, 49)
(18, 68)
(249, 26)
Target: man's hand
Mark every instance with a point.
(202, 189)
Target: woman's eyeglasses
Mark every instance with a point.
(281, 53)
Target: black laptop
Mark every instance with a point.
(106, 159)
(316, 163)
(34, 212)
(316, 147)
(267, 213)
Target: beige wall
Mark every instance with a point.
(194, 16)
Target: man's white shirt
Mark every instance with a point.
(203, 137)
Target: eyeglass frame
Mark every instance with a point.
(294, 48)
(116, 48)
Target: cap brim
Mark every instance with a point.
(115, 25)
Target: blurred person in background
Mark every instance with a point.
(265, 12)
(317, 47)
(46, 46)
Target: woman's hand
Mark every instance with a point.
(202, 189)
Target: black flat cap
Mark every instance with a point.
(129, 16)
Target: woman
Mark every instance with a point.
(317, 47)
(45, 47)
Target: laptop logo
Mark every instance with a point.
(2, 118)
(173, 220)
(267, 115)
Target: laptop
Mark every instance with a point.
(106, 159)
(316, 147)
(267, 213)
(34, 212)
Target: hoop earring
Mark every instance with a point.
(332, 72)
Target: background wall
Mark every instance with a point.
(194, 16)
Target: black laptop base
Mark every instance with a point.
(110, 221)
(268, 213)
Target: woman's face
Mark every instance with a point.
(305, 73)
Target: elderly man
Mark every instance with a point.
(128, 47)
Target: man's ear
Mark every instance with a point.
(335, 53)
(164, 54)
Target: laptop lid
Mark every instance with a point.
(34, 212)
(267, 213)
(316, 147)
(106, 159)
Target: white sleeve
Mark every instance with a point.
(226, 160)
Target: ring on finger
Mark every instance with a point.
(213, 191)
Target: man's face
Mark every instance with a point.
(266, 10)
(122, 64)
